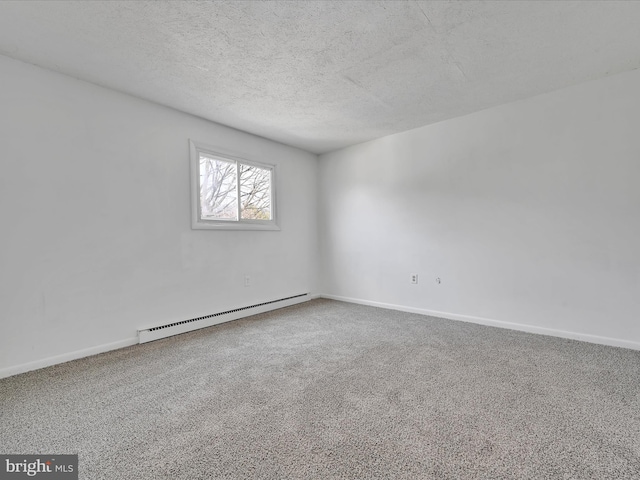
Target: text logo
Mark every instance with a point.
(45, 467)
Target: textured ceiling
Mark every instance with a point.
(324, 75)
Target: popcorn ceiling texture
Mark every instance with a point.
(324, 75)
(328, 390)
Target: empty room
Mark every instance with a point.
(320, 239)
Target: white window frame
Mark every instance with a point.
(197, 222)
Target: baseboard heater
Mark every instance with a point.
(163, 331)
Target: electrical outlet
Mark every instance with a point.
(438, 280)
(247, 281)
(414, 278)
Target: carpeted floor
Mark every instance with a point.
(328, 390)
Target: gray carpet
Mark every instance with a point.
(333, 390)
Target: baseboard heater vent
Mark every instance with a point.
(163, 331)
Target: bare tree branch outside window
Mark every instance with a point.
(219, 190)
(255, 192)
(218, 195)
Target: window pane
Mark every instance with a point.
(255, 193)
(218, 189)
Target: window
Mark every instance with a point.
(229, 192)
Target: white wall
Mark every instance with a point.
(528, 212)
(95, 210)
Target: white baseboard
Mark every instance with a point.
(87, 352)
(612, 342)
(66, 357)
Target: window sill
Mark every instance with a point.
(233, 226)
